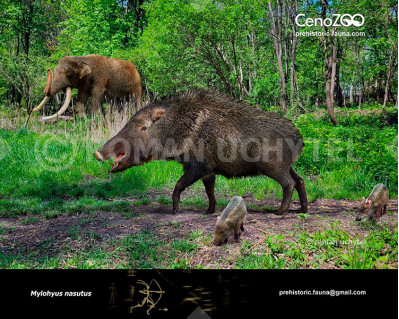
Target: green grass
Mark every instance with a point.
(333, 247)
(30, 220)
(183, 245)
(43, 169)
(47, 171)
(53, 207)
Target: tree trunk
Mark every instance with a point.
(351, 93)
(276, 34)
(293, 78)
(388, 80)
(329, 87)
(27, 18)
(394, 47)
(330, 67)
(338, 90)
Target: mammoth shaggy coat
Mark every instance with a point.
(101, 78)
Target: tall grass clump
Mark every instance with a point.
(42, 164)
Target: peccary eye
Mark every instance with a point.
(143, 128)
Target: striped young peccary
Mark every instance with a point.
(375, 205)
(210, 134)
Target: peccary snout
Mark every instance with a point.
(132, 145)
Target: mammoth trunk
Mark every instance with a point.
(49, 80)
(46, 91)
(49, 93)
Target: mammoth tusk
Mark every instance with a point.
(46, 90)
(37, 108)
(63, 107)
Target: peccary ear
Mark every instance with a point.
(157, 114)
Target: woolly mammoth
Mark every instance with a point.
(95, 76)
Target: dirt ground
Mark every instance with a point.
(24, 238)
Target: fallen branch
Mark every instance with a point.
(263, 231)
(263, 239)
(61, 117)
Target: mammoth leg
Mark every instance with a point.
(300, 188)
(209, 183)
(138, 98)
(186, 180)
(80, 102)
(97, 97)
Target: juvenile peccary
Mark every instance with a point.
(210, 134)
(375, 205)
(231, 220)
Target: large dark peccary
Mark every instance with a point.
(210, 134)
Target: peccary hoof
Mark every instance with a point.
(303, 210)
(237, 236)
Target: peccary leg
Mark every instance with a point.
(186, 180)
(242, 227)
(287, 183)
(378, 212)
(237, 234)
(209, 183)
(384, 211)
(300, 188)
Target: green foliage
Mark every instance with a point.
(143, 249)
(184, 245)
(30, 220)
(333, 246)
(96, 27)
(225, 45)
(361, 151)
(58, 172)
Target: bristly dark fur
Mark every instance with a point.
(114, 80)
(208, 117)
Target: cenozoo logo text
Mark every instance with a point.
(337, 20)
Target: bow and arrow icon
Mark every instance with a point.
(150, 291)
